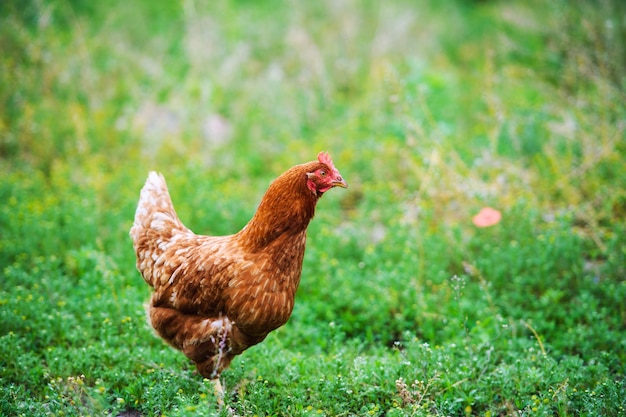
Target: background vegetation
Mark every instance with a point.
(431, 110)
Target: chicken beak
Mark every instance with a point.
(340, 182)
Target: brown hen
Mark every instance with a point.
(215, 296)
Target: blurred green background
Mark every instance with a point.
(431, 110)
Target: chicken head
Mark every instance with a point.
(324, 177)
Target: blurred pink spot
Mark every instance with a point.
(487, 217)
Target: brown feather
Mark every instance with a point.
(215, 296)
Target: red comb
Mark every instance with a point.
(324, 158)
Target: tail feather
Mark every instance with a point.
(155, 222)
(155, 209)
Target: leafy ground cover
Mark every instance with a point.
(431, 110)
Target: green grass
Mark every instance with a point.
(431, 110)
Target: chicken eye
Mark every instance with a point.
(323, 173)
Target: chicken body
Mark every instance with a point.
(215, 296)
